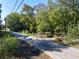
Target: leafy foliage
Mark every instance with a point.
(13, 22)
(59, 17)
(28, 18)
(8, 45)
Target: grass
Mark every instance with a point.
(13, 48)
(68, 41)
(8, 44)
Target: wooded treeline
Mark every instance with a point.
(60, 17)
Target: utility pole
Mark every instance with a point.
(49, 4)
(0, 17)
(0, 11)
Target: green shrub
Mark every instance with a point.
(8, 45)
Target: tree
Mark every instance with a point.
(27, 9)
(42, 21)
(40, 7)
(41, 18)
(13, 22)
(28, 18)
(73, 8)
(50, 4)
(70, 11)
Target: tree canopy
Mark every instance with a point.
(13, 22)
(59, 17)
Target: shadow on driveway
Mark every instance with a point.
(25, 50)
(49, 45)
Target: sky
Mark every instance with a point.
(7, 5)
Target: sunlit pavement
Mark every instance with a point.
(54, 50)
(57, 51)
